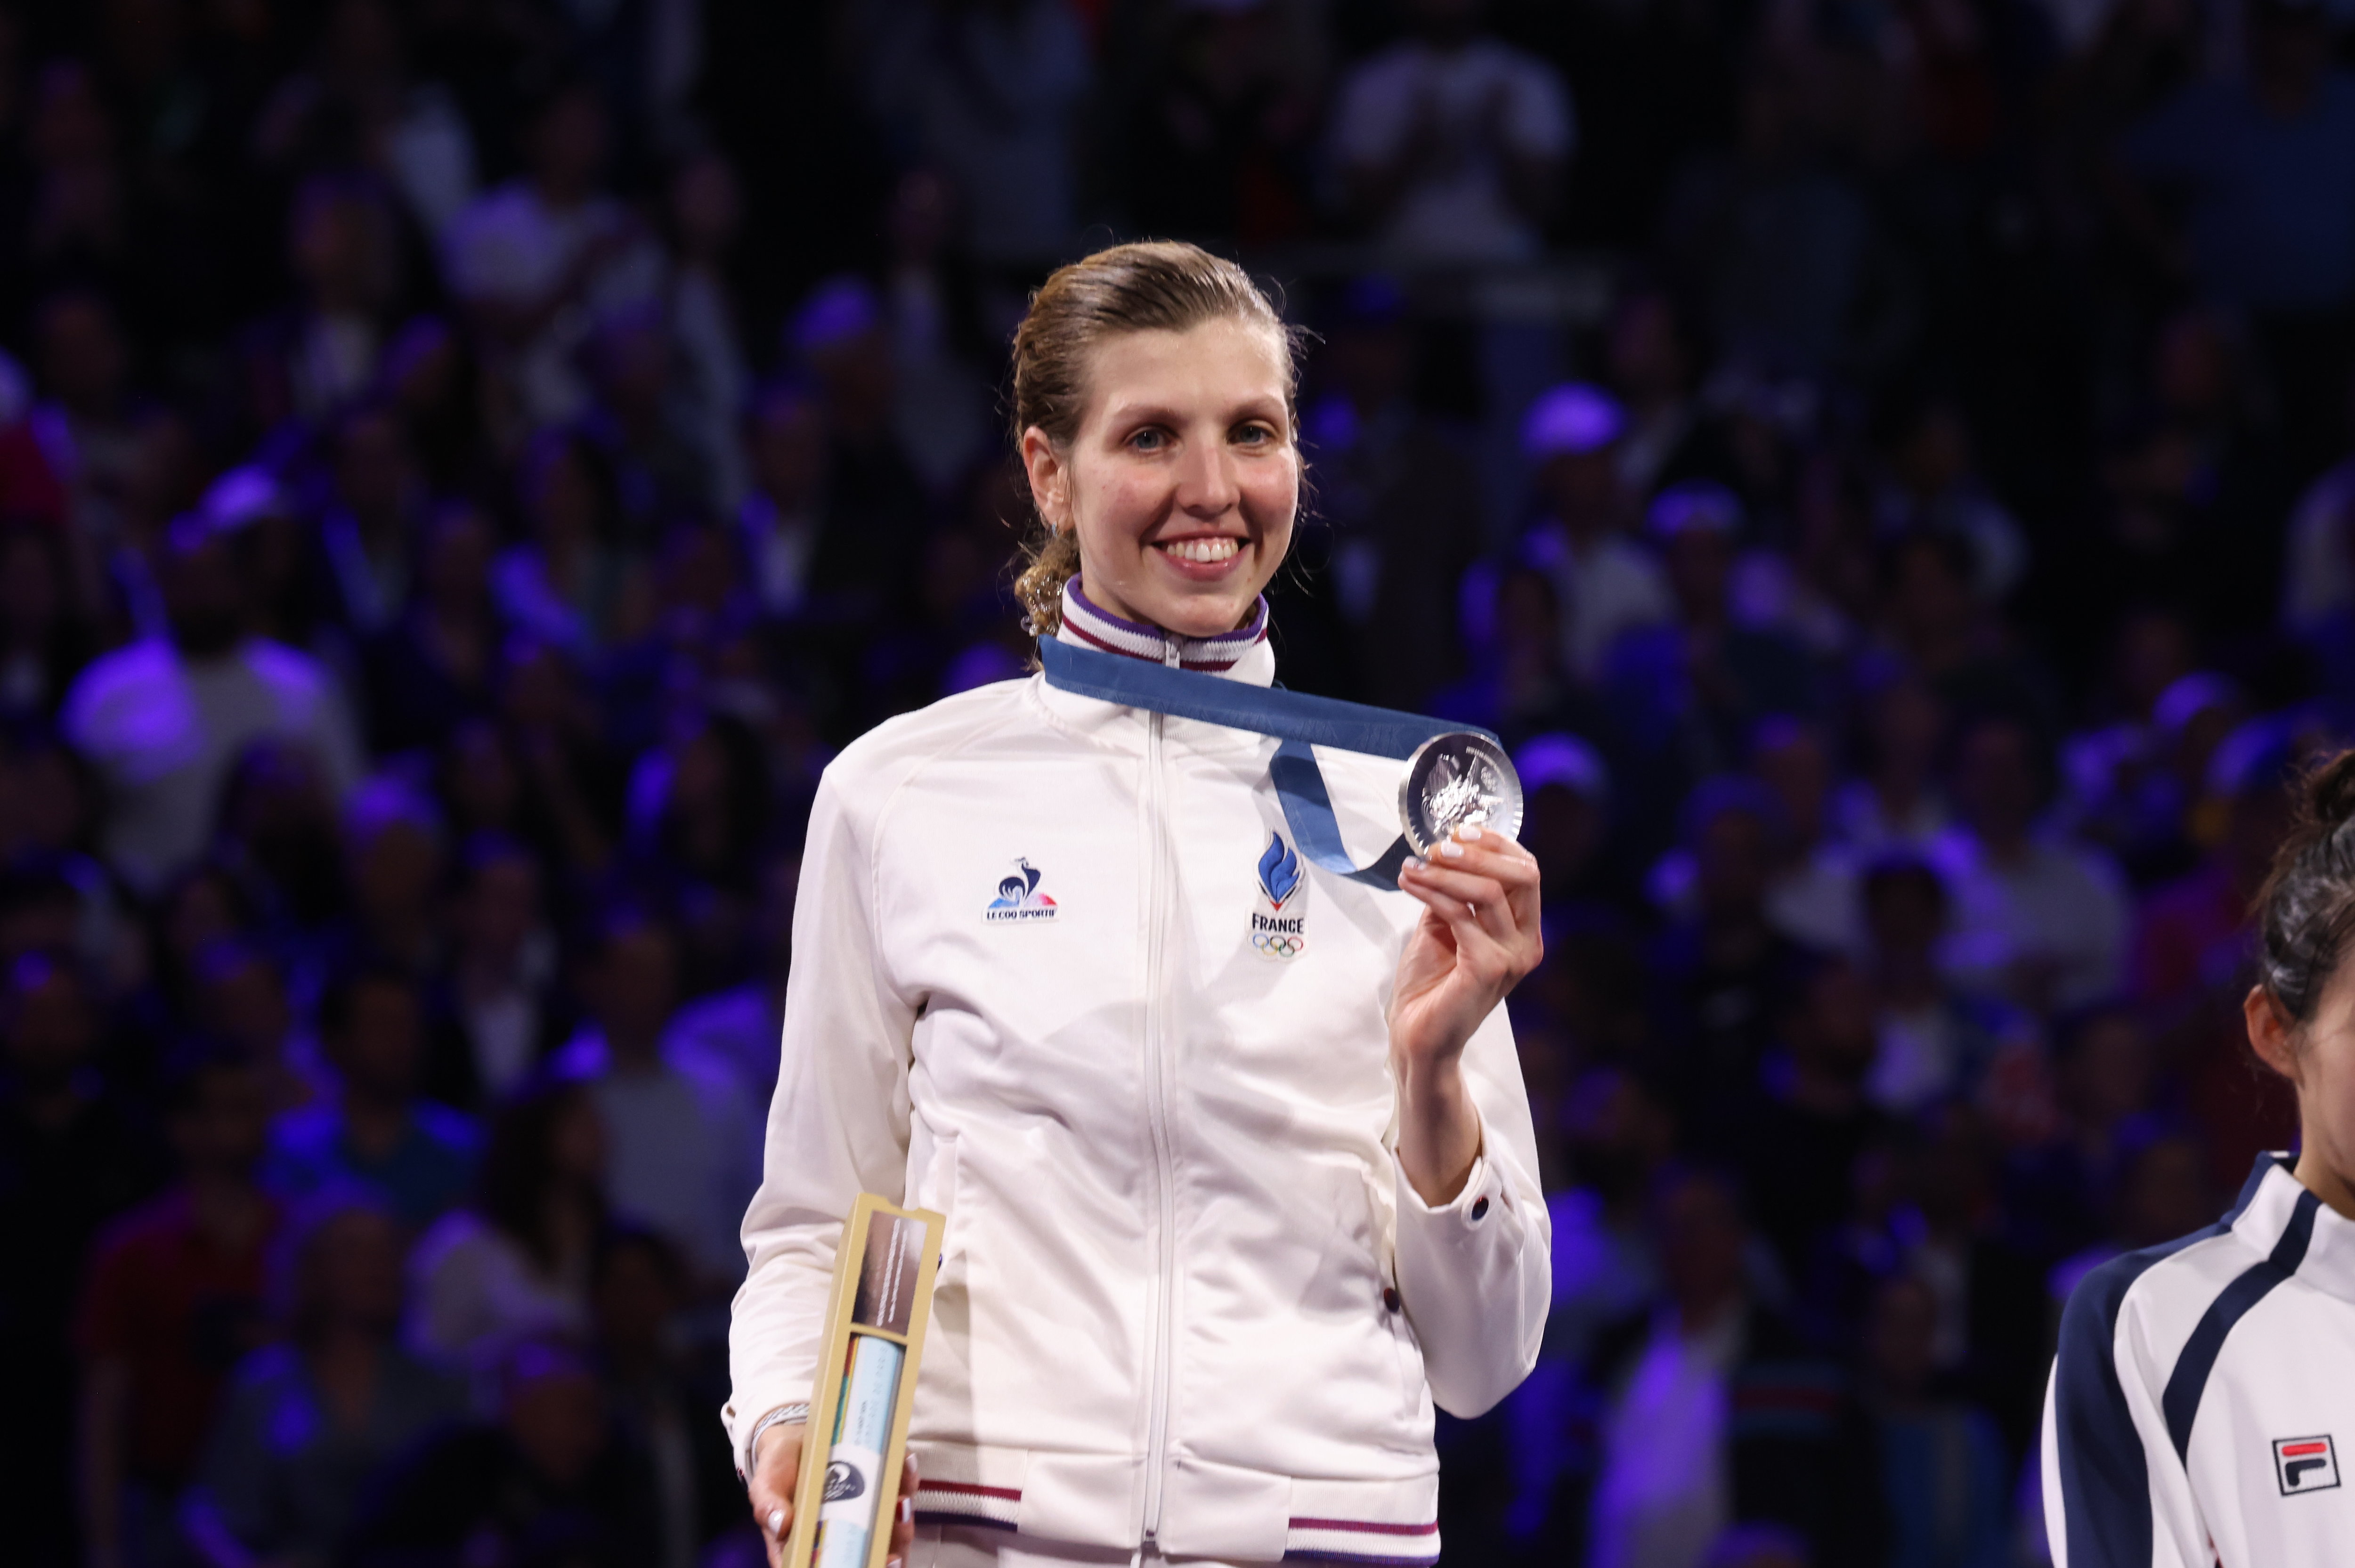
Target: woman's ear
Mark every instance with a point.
(1050, 478)
(2270, 1031)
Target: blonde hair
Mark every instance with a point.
(1154, 286)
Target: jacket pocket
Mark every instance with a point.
(964, 1484)
(944, 1396)
(939, 1190)
(1412, 1385)
(1391, 1521)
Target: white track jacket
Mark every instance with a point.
(1059, 974)
(2201, 1391)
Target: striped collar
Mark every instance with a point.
(1089, 625)
(2276, 1211)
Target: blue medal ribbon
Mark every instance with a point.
(1293, 718)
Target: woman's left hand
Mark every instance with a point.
(1478, 936)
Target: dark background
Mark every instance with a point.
(464, 467)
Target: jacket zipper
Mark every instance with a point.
(1156, 1442)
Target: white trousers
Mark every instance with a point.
(960, 1546)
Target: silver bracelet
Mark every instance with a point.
(792, 1414)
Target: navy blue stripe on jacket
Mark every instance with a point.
(2104, 1473)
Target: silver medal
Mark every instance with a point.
(1455, 779)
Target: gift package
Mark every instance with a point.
(866, 1388)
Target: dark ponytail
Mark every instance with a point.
(2307, 909)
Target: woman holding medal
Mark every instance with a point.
(1235, 1152)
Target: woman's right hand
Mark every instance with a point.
(777, 1475)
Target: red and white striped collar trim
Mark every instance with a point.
(1089, 625)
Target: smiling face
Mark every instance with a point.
(1183, 479)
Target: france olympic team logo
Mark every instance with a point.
(1018, 897)
(1274, 932)
(1279, 870)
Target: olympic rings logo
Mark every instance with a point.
(1278, 945)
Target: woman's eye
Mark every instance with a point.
(1148, 441)
(1253, 434)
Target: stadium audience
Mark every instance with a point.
(463, 471)
(306, 1424)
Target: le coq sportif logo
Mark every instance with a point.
(1018, 898)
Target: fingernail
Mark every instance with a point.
(1413, 864)
(1453, 852)
(907, 1509)
(1469, 830)
(777, 1520)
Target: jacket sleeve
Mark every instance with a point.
(2116, 1496)
(837, 1126)
(1476, 1273)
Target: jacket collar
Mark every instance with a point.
(1240, 655)
(2273, 1204)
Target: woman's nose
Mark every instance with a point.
(1206, 481)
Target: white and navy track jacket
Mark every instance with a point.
(1060, 972)
(2200, 1393)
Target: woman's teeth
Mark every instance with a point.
(1207, 552)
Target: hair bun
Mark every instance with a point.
(2331, 792)
(2306, 913)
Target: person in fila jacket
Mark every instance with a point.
(2204, 1390)
(1238, 1165)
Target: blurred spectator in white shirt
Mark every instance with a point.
(1897, 803)
(1814, 898)
(1811, 897)
(309, 360)
(1607, 583)
(684, 1135)
(1933, 1043)
(1452, 144)
(493, 996)
(2039, 923)
(777, 525)
(742, 1026)
(2135, 787)
(1815, 587)
(162, 720)
(1933, 485)
(1669, 436)
(515, 1263)
(539, 260)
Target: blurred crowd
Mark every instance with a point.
(1885, 466)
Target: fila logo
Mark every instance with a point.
(2305, 1464)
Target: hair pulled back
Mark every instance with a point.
(2306, 909)
(1155, 285)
